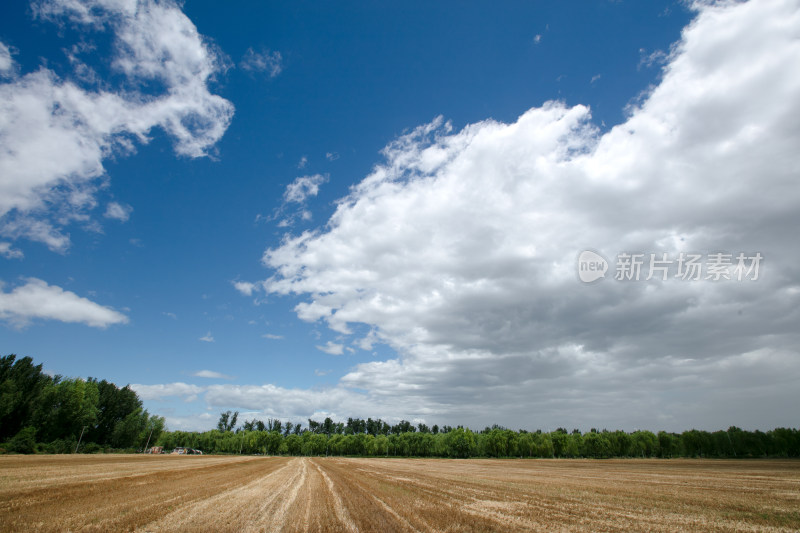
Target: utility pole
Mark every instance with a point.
(148, 440)
(79, 439)
(731, 442)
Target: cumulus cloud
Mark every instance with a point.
(57, 132)
(207, 337)
(459, 251)
(118, 211)
(266, 61)
(38, 300)
(211, 374)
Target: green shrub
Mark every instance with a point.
(24, 441)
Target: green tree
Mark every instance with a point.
(113, 406)
(21, 386)
(460, 443)
(227, 421)
(66, 408)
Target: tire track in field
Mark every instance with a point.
(118, 503)
(233, 509)
(378, 502)
(479, 504)
(338, 506)
(314, 508)
(278, 517)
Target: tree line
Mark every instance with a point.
(378, 438)
(53, 414)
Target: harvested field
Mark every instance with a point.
(208, 493)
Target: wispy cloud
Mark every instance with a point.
(207, 337)
(8, 252)
(303, 188)
(211, 375)
(272, 336)
(6, 63)
(163, 391)
(294, 200)
(332, 348)
(266, 61)
(118, 211)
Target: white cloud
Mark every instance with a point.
(51, 161)
(331, 156)
(303, 162)
(303, 187)
(245, 287)
(6, 63)
(118, 211)
(332, 348)
(37, 299)
(269, 62)
(207, 337)
(537, 38)
(211, 374)
(285, 403)
(160, 392)
(272, 336)
(657, 58)
(459, 251)
(10, 253)
(320, 372)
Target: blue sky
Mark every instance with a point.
(307, 209)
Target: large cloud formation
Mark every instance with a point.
(57, 132)
(460, 251)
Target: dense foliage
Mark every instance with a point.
(378, 438)
(42, 413)
(52, 414)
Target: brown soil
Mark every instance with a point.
(208, 493)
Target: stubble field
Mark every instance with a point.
(174, 493)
